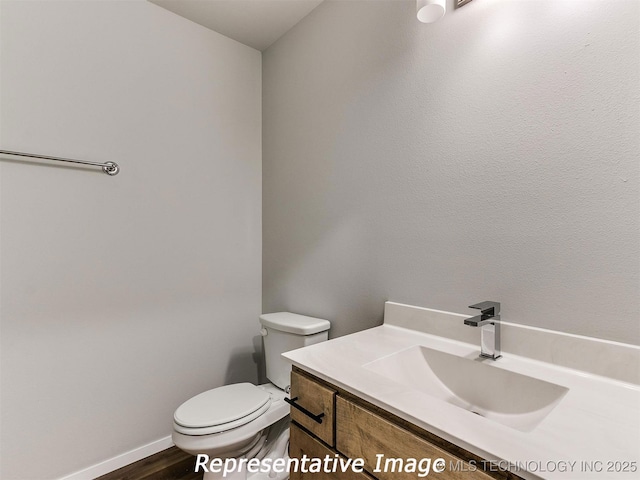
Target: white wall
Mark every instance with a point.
(122, 296)
(490, 156)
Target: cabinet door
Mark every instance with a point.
(363, 434)
(304, 444)
(315, 399)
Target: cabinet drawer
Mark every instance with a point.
(316, 399)
(302, 443)
(363, 434)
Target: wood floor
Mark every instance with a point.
(170, 464)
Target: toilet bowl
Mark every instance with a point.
(224, 431)
(243, 420)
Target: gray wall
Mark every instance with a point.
(490, 156)
(122, 296)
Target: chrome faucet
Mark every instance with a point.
(489, 321)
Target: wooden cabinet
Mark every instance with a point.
(390, 447)
(314, 407)
(363, 434)
(301, 443)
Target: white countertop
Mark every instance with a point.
(596, 424)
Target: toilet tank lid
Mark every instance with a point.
(294, 323)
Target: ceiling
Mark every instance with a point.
(257, 23)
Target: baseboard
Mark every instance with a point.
(120, 461)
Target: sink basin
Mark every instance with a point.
(512, 399)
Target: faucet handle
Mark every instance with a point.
(488, 308)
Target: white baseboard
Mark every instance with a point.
(102, 468)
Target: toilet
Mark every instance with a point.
(243, 420)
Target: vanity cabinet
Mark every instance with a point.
(327, 420)
(302, 443)
(316, 401)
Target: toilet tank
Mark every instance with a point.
(284, 331)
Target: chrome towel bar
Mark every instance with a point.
(110, 168)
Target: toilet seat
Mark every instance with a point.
(235, 441)
(221, 409)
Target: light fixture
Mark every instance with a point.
(431, 10)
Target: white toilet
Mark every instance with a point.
(242, 419)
